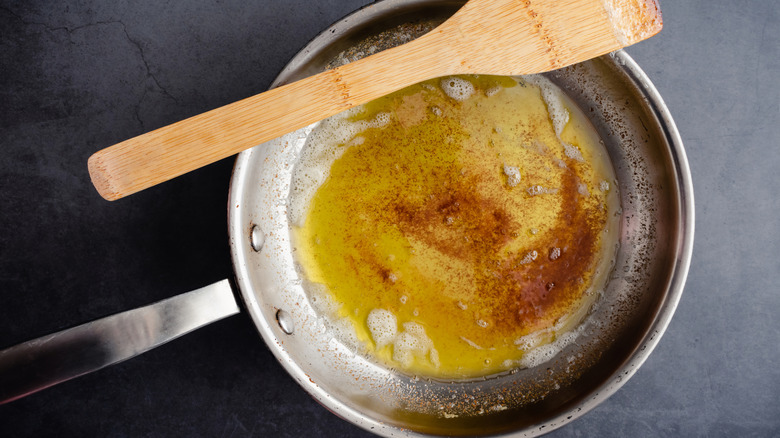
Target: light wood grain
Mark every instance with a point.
(501, 37)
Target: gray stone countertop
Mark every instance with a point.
(76, 76)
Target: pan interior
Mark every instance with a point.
(650, 266)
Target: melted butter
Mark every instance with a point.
(466, 228)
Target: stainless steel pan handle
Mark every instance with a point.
(37, 364)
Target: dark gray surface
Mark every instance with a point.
(78, 76)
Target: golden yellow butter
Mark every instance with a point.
(459, 223)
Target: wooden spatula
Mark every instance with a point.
(500, 37)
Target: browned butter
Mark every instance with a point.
(458, 224)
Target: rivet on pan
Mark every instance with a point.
(257, 238)
(285, 321)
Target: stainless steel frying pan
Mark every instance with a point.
(620, 332)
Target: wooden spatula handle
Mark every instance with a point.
(173, 150)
